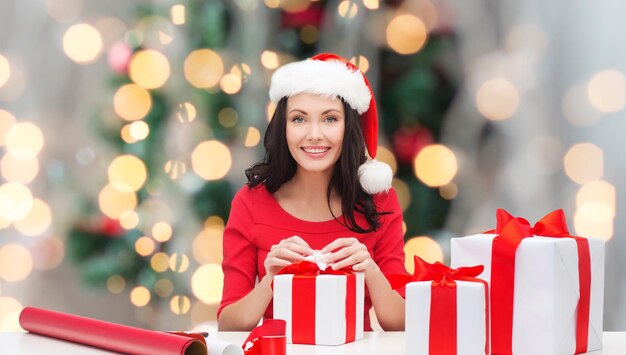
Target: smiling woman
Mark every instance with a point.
(315, 190)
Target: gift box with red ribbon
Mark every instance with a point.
(447, 310)
(546, 286)
(323, 307)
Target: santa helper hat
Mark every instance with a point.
(330, 75)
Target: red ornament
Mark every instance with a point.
(312, 16)
(111, 227)
(408, 141)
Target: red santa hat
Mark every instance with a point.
(330, 75)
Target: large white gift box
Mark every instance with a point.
(546, 291)
(324, 312)
(470, 317)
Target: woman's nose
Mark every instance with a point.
(315, 132)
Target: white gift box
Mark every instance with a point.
(330, 306)
(471, 313)
(546, 290)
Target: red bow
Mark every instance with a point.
(442, 328)
(267, 339)
(512, 230)
(307, 268)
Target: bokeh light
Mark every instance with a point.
(403, 192)
(5, 70)
(179, 262)
(207, 283)
(10, 309)
(132, 102)
(116, 284)
(24, 140)
(177, 13)
(449, 191)
(347, 8)
(23, 171)
(371, 4)
(269, 110)
(160, 262)
(144, 246)
(64, 10)
(163, 287)
(497, 99)
(208, 245)
(584, 162)
(361, 62)
(406, 34)
(16, 201)
(424, 247)
(114, 202)
(186, 112)
(180, 304)
(140, 296)
(211, 160)
(435, 165)
(309, 34)
(253, 137)
(7, 120)
(36, 221)
(203, 68)
(127, 173)
(129, 220)
(16, 263)
(162, 232)
(230, 83)
(595, 201)
(175, 169)
(149, 68)
(272, 4)
(82, 43)
(269, 59)
(228, 117)
(294, 6)
(386, 156)
(139, 130)
(588, 228)
(607, 91)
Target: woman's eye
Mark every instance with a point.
(330, 119)
(298, 119)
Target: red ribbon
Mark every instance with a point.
(267, 339)
(512, 230)
(303, 300)
(443, 317)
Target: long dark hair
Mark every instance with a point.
(278, 167)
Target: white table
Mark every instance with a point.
(373, 343)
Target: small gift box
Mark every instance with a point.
(323, 307)
(546, 286)
(446, 310)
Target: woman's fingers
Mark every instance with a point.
(339, 243)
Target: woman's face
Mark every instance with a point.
(315, 128)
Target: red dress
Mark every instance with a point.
(257, 222)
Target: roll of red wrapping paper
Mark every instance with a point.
(106, 335)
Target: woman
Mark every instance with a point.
(314, 191)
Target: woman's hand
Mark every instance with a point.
(285, 253)
(346, 252)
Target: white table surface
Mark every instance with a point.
(373, 343)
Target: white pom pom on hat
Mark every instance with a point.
(330, 75)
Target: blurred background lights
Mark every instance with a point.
(149, 68)
(596, 201)
(497, 99)
(211, 160)
(175, 169)
(435, 165)
(180, 304)
(5, 70)
(386, 156)
(207, 282)
(132, 102)
(140, 296)
(127, 173)
(160, 262)
(272, 4)
(294, 6)
(16, 262)
(116, 284)
(347, 8)
(7, 120)
(228, 117)
(424, 247)
(361, 62)
(36, 221)
(114, 202)
(163, 288)
(371, 4)
(129, 220)
(162, 232)
(24, 140)
(269, 110)
(449, 191)
(269, 59)
(23, 171)
(186, 112)
(607, 91)
(406, 34)
(10, 309)
(16, 201)
(177, 13)
(144, 246)
(82, 43)
(230, 83)
(208, 245)
(203, 68)
(139, 130)
(126, 136)
(403, 192)
(253, 137)
(584, 162)
(64, 10)
(179, 262)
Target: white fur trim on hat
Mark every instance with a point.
(375, 177)
(328, 78)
